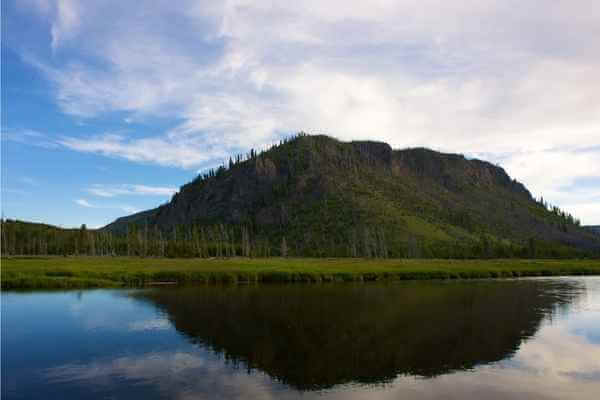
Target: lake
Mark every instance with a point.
(492, 339)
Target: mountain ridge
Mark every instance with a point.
(316, 189)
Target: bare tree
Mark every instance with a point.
(284, 248)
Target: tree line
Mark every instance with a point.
(223, 241)
(241, 158)
(562, 219)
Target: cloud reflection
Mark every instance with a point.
(154, 324)
(555, 364)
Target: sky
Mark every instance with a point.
(108, 107)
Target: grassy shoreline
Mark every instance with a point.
(87, 272)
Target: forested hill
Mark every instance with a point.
(317, 196)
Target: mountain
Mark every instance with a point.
(328, 197)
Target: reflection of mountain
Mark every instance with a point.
(318, 336)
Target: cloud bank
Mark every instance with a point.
(517, 82)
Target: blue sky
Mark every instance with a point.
(110, 106)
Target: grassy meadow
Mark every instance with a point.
(83, 272)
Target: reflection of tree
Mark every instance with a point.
(314, 337)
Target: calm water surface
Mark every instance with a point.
(518, 339)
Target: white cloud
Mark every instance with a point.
(129, 189)
(29, 137)
(29, 181)
(557, 175)
(84, 203)
(471, 77)
(158, 150)
(123, 207)
(66, 22)
(128, 209)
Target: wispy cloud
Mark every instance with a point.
(29, 181)
(84, 203)
(460, 76)
(29, 137)
(150, 325)
(151, 150)
(103, 190)
(123, 207)
(15, 191)
(129, 209)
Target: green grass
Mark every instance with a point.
(72, 272)
(423, 228)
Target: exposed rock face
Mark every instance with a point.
(318, 184)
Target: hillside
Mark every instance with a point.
(362, 198)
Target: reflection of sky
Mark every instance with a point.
(92, 342)
(556, 365)
(587, 322)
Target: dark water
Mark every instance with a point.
(529, 339)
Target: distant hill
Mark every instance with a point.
(594, 228)
(28, 226)
(34, 238)
(362, 198)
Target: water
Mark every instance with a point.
(528, 339)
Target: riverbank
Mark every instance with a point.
(87, 272)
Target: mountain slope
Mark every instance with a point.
(328, 197)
